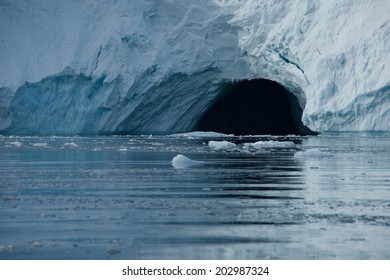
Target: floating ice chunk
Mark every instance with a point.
(71, 144)
(36, 243)
(312, 153)
(221, 145)
(40, 144)
(270, 145)
(6, 248)
(181, 161)
(17, 144)
(200, 134)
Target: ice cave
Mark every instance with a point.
(251, 107)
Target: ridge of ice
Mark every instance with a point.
(84, 67)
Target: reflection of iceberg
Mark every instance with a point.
(181, 161)
(158, 66)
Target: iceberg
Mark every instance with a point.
(160, 66)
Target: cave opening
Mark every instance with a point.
(255, 107)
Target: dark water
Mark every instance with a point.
(118, 197)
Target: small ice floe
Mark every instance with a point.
(71, 144)
(6, 248)
(221, 145)
(200, 134)
(181, 161)
(270, 145)
(36, 243)
(40, 144)
(312, 153)
(17, 143)
(114, 252)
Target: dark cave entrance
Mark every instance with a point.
(255, 107)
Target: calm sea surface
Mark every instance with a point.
(119, 197)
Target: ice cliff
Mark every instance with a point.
(155, 66)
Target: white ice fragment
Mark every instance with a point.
(181, 161)
(221, 145)
(36, 243)
(16, 143)
(312, 153)
(270, 145)
(40, 144)
(200, 134)
(6, 248)
(71, 144)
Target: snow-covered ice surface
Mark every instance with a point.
(119, 197)
(86, 67)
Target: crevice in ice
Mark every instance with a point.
(254, 107)
(285, 59)
(97, 57)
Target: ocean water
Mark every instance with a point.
(120, 197)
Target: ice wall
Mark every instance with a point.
(155, 66)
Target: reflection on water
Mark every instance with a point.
(118, 197)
